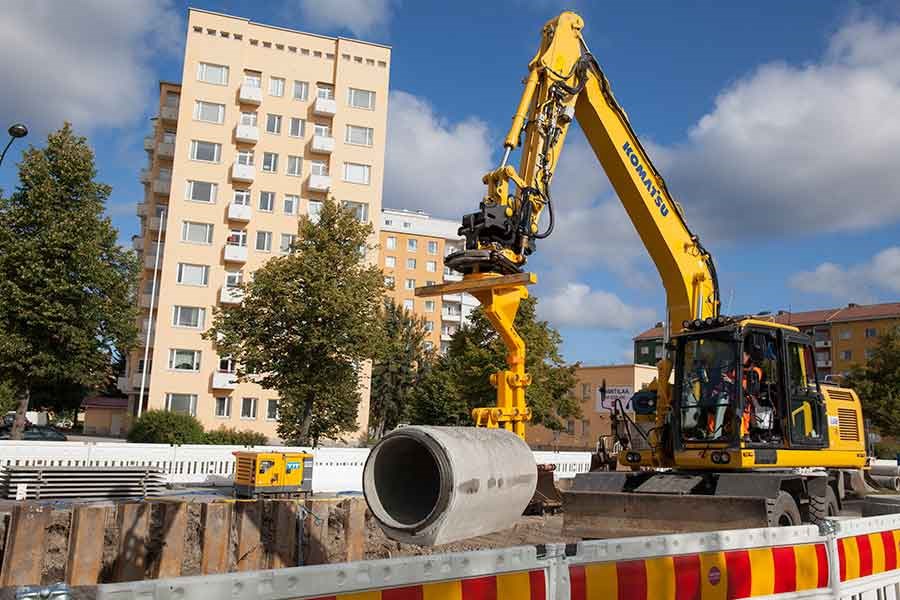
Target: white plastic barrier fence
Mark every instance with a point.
(844, 559)
(334, 469)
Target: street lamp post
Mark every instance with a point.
(16, 131)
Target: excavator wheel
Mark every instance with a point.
(783, 511)
(821, 507)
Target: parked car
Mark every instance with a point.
(36, 433)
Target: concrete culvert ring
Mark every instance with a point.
(403, 481)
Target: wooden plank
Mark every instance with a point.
(249, 550)
(355, 530)
(216, 530)
(174, 527)
(468, 285)
(86, 545)
(134, 534)
(23, 558)
(285, 551)
(317, 526)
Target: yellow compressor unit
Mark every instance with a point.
(259, 474)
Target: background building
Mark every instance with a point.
(844, 336)
(621, 382)
(413, 247)
(266, 123)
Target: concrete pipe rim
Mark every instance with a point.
(445, 485)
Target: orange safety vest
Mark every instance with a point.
(745, 417)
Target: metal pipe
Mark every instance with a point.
(162, 218)
(436, 485)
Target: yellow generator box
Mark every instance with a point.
(272, 473)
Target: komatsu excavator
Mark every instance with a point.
(736, 431)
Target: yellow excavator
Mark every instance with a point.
(736, 429)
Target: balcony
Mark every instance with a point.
(150, 261)
(149, 143)
(325, 107)
(823, 363)
(124, 384)
(250, 95)
(246, 133)
(239, 212)
(823, 343)
(145, 175)
(231, 295)
(137, 242)
(141, 209)
(155, 223)
(319, 183)
(241, 172)
(136, 380)
(235, 253)
(322, 144)
(162, 186)
(144, 301)
(168, 113)
(165, 150)
(223, 381)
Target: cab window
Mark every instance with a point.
(806, 418)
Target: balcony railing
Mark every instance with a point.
(150, 260)
(124, 384)
(319, 183)
(248, 134)
(137, 242)
(250, 94)
(235, 253)
(223, 381)
(239, 212)
(149, 143)
(168, 113)
(325, 107)
(162, 186)
(141, 209)
(144, 301)
(322, 144)
(823, 363)
(166, 150)
(155, 223)
(231, 295)
(823, 343)
(241, 172)
(145, 175)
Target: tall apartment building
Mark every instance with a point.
(265, 123)
(844, 336)
(413, 247)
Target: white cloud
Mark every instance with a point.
(860, 282)
(432, 164)
(575, 304)
(361, 17)
(86, 62)
(798, 148)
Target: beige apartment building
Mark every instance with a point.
(413, 247)
(265, 124)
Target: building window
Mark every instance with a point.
(270, 162)
(431, 266)
(391, 243)
(189, 274)
(237, 237)
(253, 79)
(233, 278)
(267, 201)
(223, 406)
(361, 98)
(197, 233)
(201, 191)
(324, 91)
(429, 306)
(318, 167)
(585, 391)
(264, 241)
(209, 112)
(295, 165)
(322, 130)
(287, 240)
(298, 127)
(570, 427)
(245, 157)
(172, 99)
(429, 326)
(248, 408)
(314, 210)
(412, 244)
(182, 403)
(250, 119)
(389, 282)
(291, 203)
(273, 123)
(407, 304)
(168, 137)
(410, 263)
(359, 136)
(272, 410)
(645, 350)
(357, 173)
(210, 73)
(184, 360)
(410, 284)
(242, 197)
(846, 355)
(276, 86)
(390, 262)
(845, 334)
(432, 247)
(585, 427)
(206, 151)
(301, 90)
(871, 332)
(660, 351)
(360, 210)
(191, 317)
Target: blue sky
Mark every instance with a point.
(776, 125)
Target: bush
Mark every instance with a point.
(229, 436)
(887, 450)
(166, 427)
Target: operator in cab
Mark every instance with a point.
(752, 378)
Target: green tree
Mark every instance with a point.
(8, 398)
(66, 285)
(401, 352)
(436, 399)
(877, 382)
(166, 427)
(306, 323)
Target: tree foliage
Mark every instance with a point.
(66, 285)
(436, 399)
(877, 383)
(395, 367)
(306, 324)
(166, 427)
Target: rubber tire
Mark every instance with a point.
(783, 511)
(820, 507)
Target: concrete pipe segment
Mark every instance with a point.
(436, 485)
